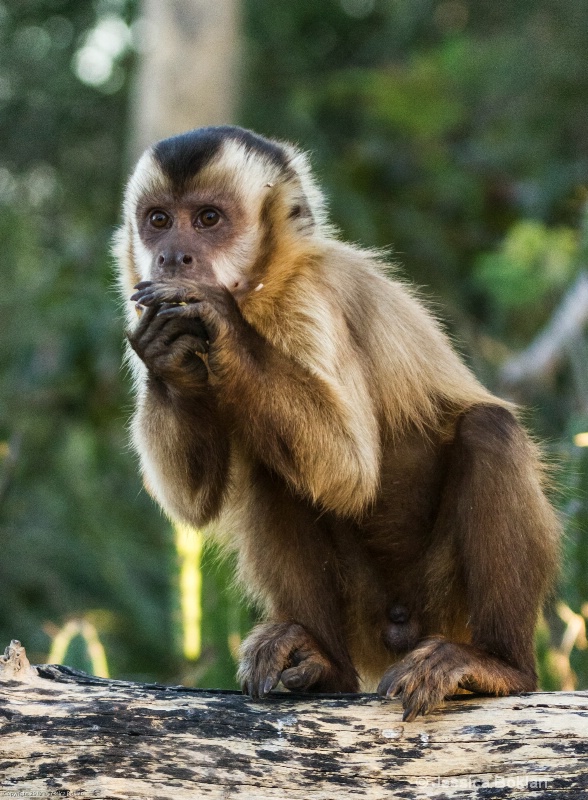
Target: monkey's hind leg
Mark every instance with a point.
(291, 556)
(504, 536)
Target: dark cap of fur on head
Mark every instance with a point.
(182, 157)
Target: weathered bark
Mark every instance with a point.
(66, 732)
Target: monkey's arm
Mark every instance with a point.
(183, 447)
(300, 423)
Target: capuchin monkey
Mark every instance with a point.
(386, 510)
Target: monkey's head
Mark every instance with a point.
(216, 205)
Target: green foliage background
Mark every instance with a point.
(453, 131)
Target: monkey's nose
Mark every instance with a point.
(174, 258)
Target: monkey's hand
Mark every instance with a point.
(212, 304)
(285, 652)
(438, 668)
(170, 348)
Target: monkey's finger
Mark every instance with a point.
(158, 285)
(162, 292)
(148, 328)
(255, 688)
(420, 702)
(135, 335)
(139, 293)
(303, 676)
(266, 684)
(176, 327)
(196, 310)
(198, 342)
(145, 319)
(189, 311)
(411, 712)
(395, 690)
(167, 293)
(176, 324)
(164, 305)
(391, 684)
(145, 298)
(213, 320)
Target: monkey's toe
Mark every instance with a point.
(391, 684)
(258, 687)
(303, 676)
(422, 700)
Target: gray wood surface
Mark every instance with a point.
(66, 733)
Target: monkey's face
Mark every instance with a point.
(187, 234)
(214, 205)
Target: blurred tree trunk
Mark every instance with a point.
(187, 78)
(187, 73)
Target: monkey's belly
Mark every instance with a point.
(390, 567)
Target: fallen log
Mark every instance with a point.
(65, 733)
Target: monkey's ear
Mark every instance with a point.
(307, 203)
(301, 213)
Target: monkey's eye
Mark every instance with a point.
(159, 219)
(208, 218)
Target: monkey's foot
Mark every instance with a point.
(285, 652)
(437, 669)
